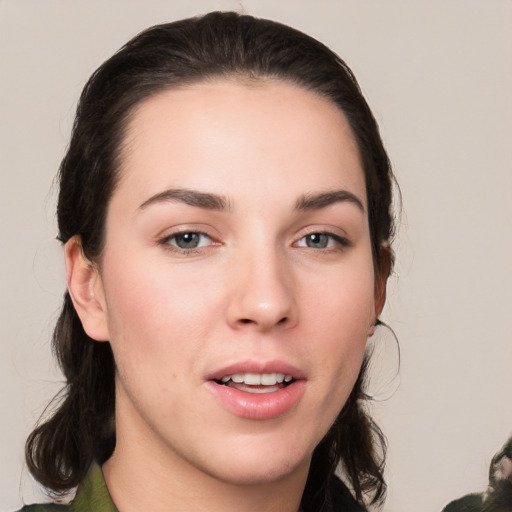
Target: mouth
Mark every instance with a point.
(260, 391)
(256, 382)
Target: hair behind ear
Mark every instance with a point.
(384, 265)
(355, 441)
(80, 429)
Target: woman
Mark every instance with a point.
(225, 208)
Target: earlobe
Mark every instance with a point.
(86, 290)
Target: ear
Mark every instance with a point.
(86, 290)
(381, 280)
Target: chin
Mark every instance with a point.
(262, 474)
(252, 463)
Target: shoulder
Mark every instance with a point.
(92, 496)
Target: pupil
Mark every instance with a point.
(187, 240)
(317, 240)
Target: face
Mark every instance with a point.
(237, 281)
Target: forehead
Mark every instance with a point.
(246, 136)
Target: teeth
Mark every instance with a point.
(252, 379)
(258, 379)
(268, 379)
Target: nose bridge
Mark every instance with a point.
(263, 291)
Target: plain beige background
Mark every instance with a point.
(438, 75)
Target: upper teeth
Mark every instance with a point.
(258, 379)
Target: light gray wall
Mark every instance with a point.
(438, 74)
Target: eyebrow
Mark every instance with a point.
(216, 202)
(325, 199)
(191, 197)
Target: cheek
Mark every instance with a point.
(157, 313)
(159, 321)
(340, 318)
(344, 308)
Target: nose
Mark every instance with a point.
(262, 292)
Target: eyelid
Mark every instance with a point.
(170, 233)
(338, 239)
(324, 229)
(176, 235)
(203, 229)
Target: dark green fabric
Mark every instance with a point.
(92, 495)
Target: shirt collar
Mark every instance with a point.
(93, 494)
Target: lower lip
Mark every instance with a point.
(258, 406)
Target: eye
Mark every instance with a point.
(322, 241)
(188, 240)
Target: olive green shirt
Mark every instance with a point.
(92, 495)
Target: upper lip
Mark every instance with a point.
(252, 366)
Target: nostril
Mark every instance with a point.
(249, 321)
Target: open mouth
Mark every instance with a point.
(256, 382)
(258, 391)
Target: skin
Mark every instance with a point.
(257, 287)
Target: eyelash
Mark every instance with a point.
(339, 242)
(334, 243)
(166, 242)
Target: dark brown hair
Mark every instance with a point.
(80, 428)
